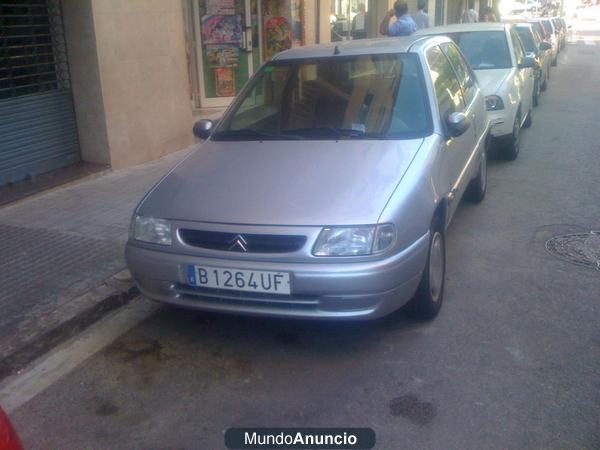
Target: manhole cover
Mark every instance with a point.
(581, 248)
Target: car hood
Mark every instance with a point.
(283, 183)
(490, 80)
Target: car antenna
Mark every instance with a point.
(336, 50)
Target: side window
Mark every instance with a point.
(447, 89)
(519, 53)
(462, 69)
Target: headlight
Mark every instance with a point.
(493, 103)
(354, 241)
(149, 229)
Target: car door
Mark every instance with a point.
(474, 101)
(525, 75)
(449, 99)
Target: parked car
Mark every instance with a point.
(505, 74)
(561, 32)
(325, 190)
(8, 436)
(549, 27)
(538, 50)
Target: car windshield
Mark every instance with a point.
(358, 97)
(484, 49)
(538, 27)
(547, 23)
(526, 39)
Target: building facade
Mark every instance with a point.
(120, 82)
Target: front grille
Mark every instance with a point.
(234, 242)
(255, 299)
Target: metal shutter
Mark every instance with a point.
(38, 131)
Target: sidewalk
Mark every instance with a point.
(59, 254)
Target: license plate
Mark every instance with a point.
(239, 280)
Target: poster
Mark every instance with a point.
(282, 25)
(222, 29)
(222, 55)
(278, 35)
(220, 7)
(224, 82)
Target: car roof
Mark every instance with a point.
(357, 47)
(464, 27)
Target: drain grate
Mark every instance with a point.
(582, 249)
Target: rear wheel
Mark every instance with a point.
(478, 185)
(536, 93)
(529, 119)
(427, 302)
(511, 150)
(544, 85)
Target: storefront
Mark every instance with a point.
(231, 39)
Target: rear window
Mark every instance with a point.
(484, 49)
(354, 97)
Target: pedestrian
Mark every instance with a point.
(488, 15)
(470, 15)
(421, 17)
(404, 24)
(359, 23)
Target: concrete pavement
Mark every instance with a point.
(512, 361)
(59, 251)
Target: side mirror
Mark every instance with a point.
(527, 63)
(202, 128)
(457, 124)
(544, 46)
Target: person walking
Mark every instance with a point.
(359, 23)
(470, 15)
(404, 24)
(421, 17)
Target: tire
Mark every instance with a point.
(511, 149)
(427, 301)
(544, 85)
(478, 185)
(536, 93)
(554, 61)
(528, 120)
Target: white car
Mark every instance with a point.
(505, 75)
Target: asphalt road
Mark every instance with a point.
(512, 361)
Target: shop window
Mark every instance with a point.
(350, 19)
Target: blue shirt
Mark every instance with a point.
(404, 26)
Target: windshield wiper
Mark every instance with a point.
(248, 132)
(336, 132)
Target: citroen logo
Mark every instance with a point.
(238, 244)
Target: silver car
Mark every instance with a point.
(325, 190)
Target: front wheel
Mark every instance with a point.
(536, 93)
(427, 302)
(511, 150)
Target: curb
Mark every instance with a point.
(115, 293)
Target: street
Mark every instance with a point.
(512, 360)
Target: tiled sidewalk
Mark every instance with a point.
(59, 245)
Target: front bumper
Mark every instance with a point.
(501, 124)
(362, 290)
